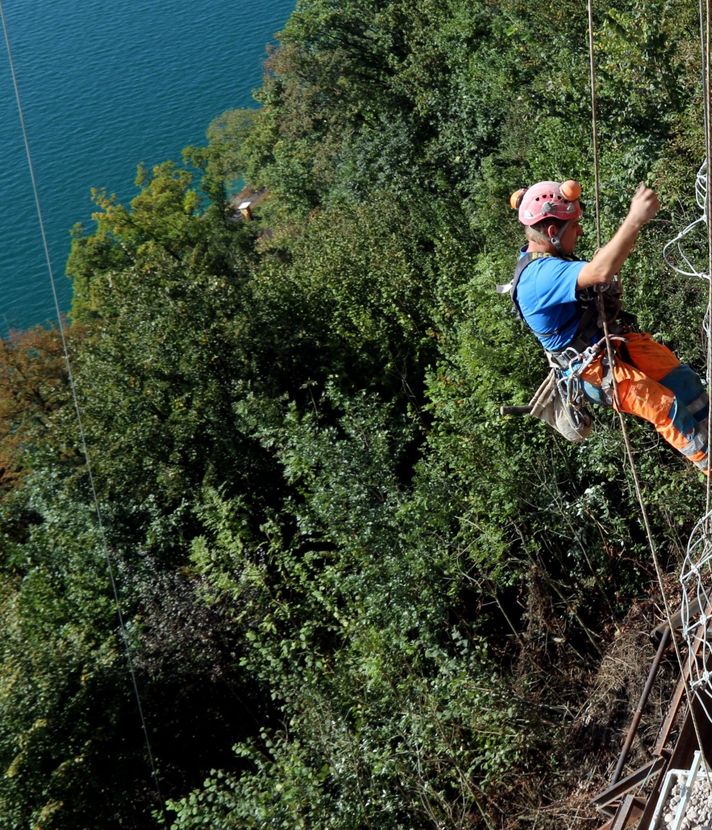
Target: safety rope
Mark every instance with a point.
(699, 550)
(77, 410)
(708, 213)
(696, 573)
(594, 128)
(703, 609)
(616, 398)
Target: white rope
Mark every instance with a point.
(690, 254)
(687, 253)
(696, 581)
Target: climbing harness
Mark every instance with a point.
(560, 400)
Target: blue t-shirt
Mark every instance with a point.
(546, 293)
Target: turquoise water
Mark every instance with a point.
(104, 87)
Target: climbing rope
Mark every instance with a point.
(708, 201)
(601, 310)
(594, 129)
(616, 398)
(696, 574)
(77, 409)
(684, 254)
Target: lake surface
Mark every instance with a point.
(104, 87)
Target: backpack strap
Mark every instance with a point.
(589, 325)
(511, 286)
(522, 263)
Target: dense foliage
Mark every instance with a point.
(352, 595)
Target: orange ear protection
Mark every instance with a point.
(570, 190)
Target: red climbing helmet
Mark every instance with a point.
(547, 200)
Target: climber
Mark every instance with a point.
(553, 292)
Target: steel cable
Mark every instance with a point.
(77, 410)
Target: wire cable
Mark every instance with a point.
(77, 409)
(708, 213)
(594, 127)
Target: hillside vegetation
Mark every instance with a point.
(356, 598)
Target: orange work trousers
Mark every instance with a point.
(655, 386)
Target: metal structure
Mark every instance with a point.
(685, 735)
(696, 612)
(686, 254)
(636, 797)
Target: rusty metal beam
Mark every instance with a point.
(676, 618)
(633, 728)
(682, 754)
(620, 788)
(631, 810)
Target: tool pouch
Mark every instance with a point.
(572, 419)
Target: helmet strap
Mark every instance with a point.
(556, 240)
